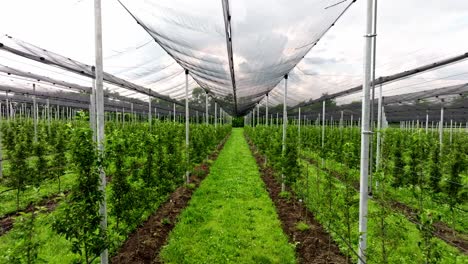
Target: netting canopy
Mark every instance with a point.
(237, 52)
(242, 49)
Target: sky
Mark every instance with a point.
(269, 39)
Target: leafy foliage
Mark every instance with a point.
(413, 170)
(27, 245)
(145, 165)
(269, 141)
(17, 141)
(79, 219)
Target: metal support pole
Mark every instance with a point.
(258, 114)
(100, 116)
(323, 126)
(365, 137)
(285, 124)
(266, 111)
(373, 59)
(206, 108)
(216, 115)
(441, 128)
(34, 112)
(299, 126)
(427, 122)
(149, 112)
(13, 111)
(379, 128)
(92, 111)
(174, 113)
(132, 114)
(187, 127)
(48, 114)
(7, 107)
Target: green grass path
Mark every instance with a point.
(230, 218)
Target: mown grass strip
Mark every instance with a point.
(230, 218)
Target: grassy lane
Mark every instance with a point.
(230, 218)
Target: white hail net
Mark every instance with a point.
(268, 39)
